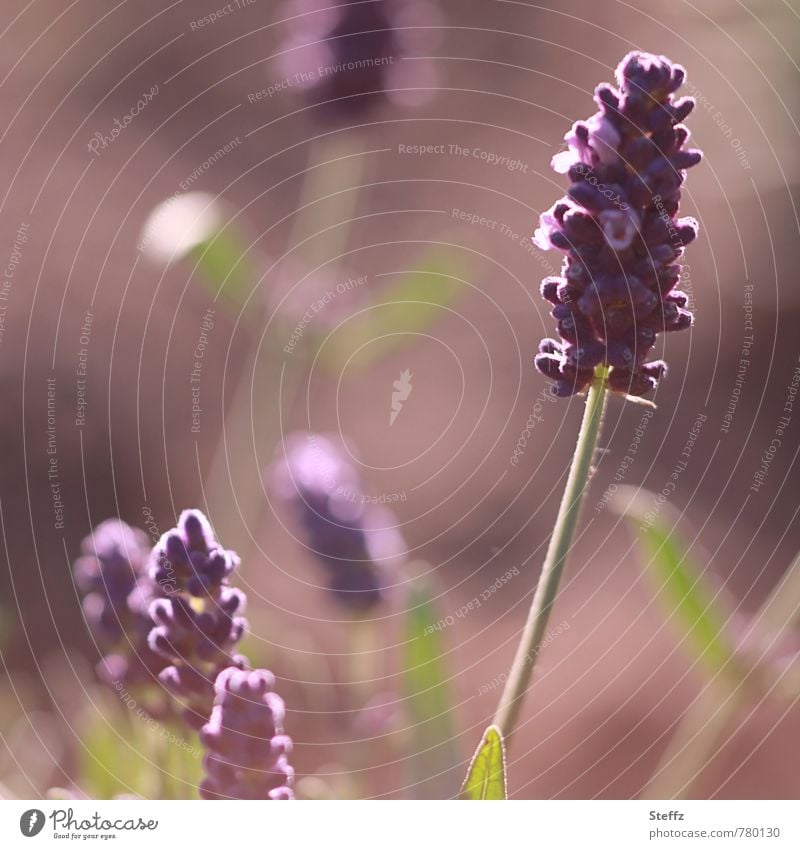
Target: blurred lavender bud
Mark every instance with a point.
(619, 230)
(354, 540)
(113, 558)
(247, 749)
(112, 576)
(348, 57)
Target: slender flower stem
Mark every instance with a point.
(251, 426)
(535, 628)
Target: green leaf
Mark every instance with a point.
(698, 611)
(193, 226)
(224, 270)
(486, 776)
(436, 760)
(407, 306)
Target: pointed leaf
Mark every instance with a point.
(486, 776)
(688, 598)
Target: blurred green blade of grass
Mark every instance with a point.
(486, 776)
(108, 763)
(436, 759)
(685, 594)
(225, 272)
(404, 308)
(126, 753)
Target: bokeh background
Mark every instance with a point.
(315, 197)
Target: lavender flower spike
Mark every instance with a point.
(113, 557)
(199, 623)
(349, 56)
(111, 574)
(247, 749)
(354, 540)
(619, 231)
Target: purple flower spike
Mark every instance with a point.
(114, 557)
(354, 540)
(619, 231)
(198, 624)
(247, 749)
(349, 56)
(182, 621)
(111, 575)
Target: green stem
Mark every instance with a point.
(521, 671)
(233, 485)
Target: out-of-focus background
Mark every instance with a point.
(110, 109)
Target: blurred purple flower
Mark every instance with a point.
(247, 749)
(354, 540)
(348, 56)
(113, 557)
(111, 575)
(198, 623)
(619, 230)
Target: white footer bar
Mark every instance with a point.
(405, 825)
